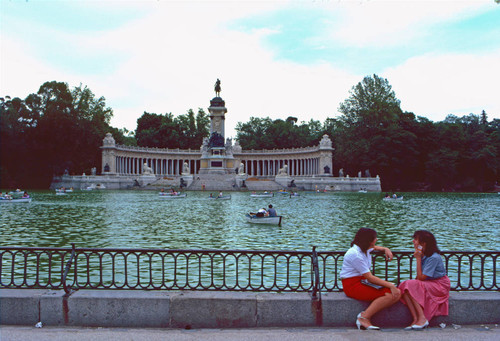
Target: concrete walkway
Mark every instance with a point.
(466, 333)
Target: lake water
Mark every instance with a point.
(141, 219)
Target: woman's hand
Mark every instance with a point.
(418, 252)
(396, 293)
(388, 254)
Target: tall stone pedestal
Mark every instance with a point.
(145, 180)
(240, 180)
(185, 180)
(283, 180)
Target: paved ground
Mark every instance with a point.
(466, 333)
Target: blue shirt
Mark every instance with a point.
(433, 266)
(272, 212)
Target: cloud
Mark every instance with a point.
(171, 66)
(167, 58)
(437, 85)
(390, 23)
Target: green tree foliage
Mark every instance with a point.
(166, 131)
(53, 130)
(57, 129)
(371, 133)
(408, 152)
(264, 133)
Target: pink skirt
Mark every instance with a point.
(432, 295)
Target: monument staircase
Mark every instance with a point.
(214, 182)
(219, 182)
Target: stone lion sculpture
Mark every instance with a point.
(185, 168)
(146, 170)
(283, 171)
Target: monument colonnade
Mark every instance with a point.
(130, 160)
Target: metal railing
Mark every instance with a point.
(227, 270)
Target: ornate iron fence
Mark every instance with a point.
(228, 270)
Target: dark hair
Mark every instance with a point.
(270, 206)
(364, 237)
(424, 236)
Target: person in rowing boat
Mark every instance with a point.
(271, 211)
(262, 213)
(220, 195)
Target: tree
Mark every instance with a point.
(166, 131)
(372, 104)
(252, 134)
(50, 131)
(265, 133)
(13, 146)
(371, 134)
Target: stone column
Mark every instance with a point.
(108, 154)
(325, 159)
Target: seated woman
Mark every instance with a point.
(356, 267)
(427, 295)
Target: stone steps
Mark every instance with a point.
(213, 185)
(263, 185)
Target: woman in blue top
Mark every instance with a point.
(427, 295)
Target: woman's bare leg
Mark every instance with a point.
(411, 308)
(419, 310)
(378, 304)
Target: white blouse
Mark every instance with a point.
(356, 262)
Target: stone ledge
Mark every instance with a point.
(207, 309)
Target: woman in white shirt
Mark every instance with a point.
(356, 268)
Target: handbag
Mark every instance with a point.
(370, 284)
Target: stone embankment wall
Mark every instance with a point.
(194, 309)
(226, 183)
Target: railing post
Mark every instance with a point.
(67, 289)
(317, 307)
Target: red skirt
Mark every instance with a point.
(355, 289)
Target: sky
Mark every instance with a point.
(274, 58)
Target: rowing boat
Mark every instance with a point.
(262, 195)
(4, 201)
(223, 197)
(264, 220)
(172, 196)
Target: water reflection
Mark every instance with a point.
(141, 219)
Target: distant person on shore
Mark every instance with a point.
(271, 211)
(427, 295)
(358, 282)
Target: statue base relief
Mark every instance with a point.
(186, 181)
(240, 179)
(146, 179)
(283, 180)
